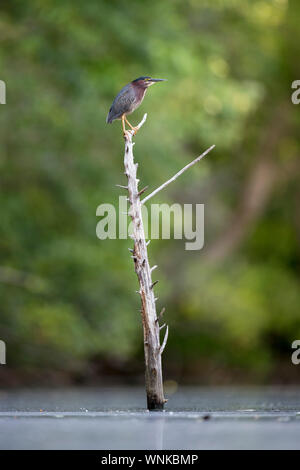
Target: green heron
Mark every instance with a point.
(129, 98)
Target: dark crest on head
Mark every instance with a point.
(140, 78)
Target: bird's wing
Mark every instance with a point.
(124, 99)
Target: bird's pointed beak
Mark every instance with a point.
(158, 80)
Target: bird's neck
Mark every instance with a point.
(140, 91)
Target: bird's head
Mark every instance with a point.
(145, 82)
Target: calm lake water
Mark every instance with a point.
(115, 418)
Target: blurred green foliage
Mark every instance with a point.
(69, 297)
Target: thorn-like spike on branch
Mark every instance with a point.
(148, 242)
(162, 326)
(131, 250)
(153, 284)
(142, 191)
(153, 267)
(161, 313)
(121, 186)
(164, 341)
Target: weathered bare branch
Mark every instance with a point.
(154, 384)
(189, 165)
(152, 348)
(164, 341)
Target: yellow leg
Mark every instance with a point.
(135, 129)
(123, 124)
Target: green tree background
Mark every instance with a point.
(68, 301)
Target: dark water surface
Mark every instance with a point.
(115, 418)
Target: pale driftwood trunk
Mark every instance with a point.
(152, 348)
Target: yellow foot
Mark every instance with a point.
(135, 129)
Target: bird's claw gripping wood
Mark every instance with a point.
(133, 128)
(128, 134)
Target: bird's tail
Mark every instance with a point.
(109, 117)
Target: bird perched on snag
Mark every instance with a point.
(128, 99)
